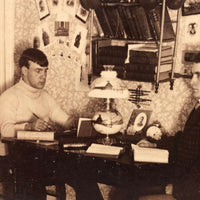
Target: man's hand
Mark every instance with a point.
(145, 143)
(40, 125)
(169, 189)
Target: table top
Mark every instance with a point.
(66, 139)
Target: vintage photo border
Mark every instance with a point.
(191, 8)
(45, 12)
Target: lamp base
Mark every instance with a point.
(107, 140)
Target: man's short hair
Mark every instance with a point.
(34, 55)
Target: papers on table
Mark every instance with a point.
(100, 150)
(35, 135)
(153, 155)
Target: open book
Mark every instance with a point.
(145, 154)
(100, 150)
(35, 135)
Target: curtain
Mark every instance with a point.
(6, 50)
(6, 44)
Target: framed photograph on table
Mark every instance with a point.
(191, 7)
(138, 121)
(43, 9)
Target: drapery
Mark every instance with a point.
(6, 44)
(6, 50)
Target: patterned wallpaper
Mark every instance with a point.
(67, 80)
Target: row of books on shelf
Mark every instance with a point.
(134, 22)
(144, 76)
(137, 62)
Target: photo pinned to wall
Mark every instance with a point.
(41, 37)
(61, 28)
(55, 3)
(191, 7)
(43, 8)
(69, 7)
(138, 121)
(82, 14)
(79, 39)
(63, 41)
(45, 35)
(188, 58)
(36, 42)
(55, 6)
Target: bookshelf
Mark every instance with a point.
(125, 24)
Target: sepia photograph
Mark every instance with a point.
(82, 14)
(191, 7)
(87, 116)
(61, 28)
(43, 9)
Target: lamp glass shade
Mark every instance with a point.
(108, 86)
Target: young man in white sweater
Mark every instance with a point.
(27, 106)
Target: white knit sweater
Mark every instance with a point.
(20, 102)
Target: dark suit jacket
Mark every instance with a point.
(184, 151)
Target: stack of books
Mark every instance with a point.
(109, 52)
(143, 63)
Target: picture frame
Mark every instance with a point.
(78, 41)
(82, 14)
(43, 9)
(61, 28)
(138, 120)
(191, 7)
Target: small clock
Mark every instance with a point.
(154, 132)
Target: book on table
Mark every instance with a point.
(152, 155)
(100, 150)
(35, 135)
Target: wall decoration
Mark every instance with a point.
(191, 7)
(45, 37)
(43, 8)
(188, 57)
(61, 28)
(36, 42)
(55, 2)
(192, 28)
(69, 7)
(79, 39)
(55, 6)
(82, 14)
